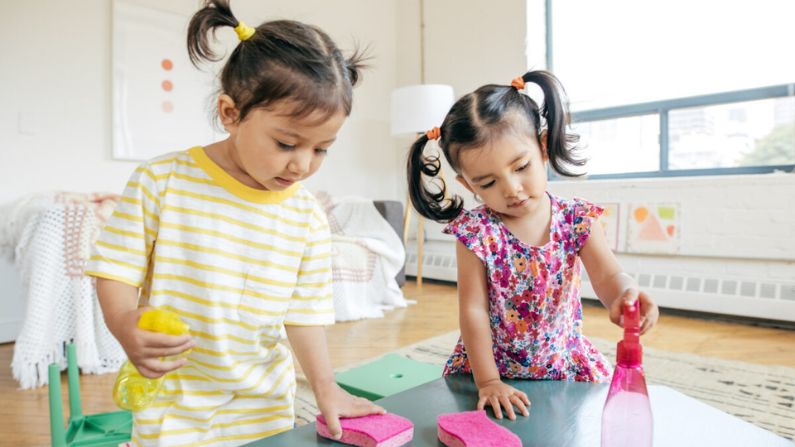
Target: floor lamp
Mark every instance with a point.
(417, 109)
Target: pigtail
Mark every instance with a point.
(355, 64)
(214, 14)
(560, 143)
(428, 203)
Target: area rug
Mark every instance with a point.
(760, 394)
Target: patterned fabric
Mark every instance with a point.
(235, 263)
(534, 295)
(50, 247)
(367, 254)
(79, 233)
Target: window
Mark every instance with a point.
(633, 143)
(678, 87)
(741, 134)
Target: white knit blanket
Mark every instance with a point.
(367, 254)
(49, 236)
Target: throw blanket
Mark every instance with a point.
(367, 254)
(49, 238)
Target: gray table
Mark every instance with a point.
(562, 414)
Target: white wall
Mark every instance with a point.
(56, 82)
(12, 303)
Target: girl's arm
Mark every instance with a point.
(613, 287)
(309, 345)
(473, 315)
(119, 303)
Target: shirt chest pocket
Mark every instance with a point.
(265, 297)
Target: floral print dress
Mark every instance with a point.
(534, 295)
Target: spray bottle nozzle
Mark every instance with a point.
(629, 351)
(632, 322)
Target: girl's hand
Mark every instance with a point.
(334, 403)
(649, 313)
(145, 348)
(499, 395)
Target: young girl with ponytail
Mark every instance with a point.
(225, 236)
(520, 253)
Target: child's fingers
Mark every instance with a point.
(523, 397)
(158, 340)
(481, 403)
(361, 407)
(333, 424)
(647, 323)
(170, 351)
(630, 295)
(161, 367)
(148, 373)
(495, 406)
(648, 311)
(616, 310)
(506, 403)
(516, 400)
(372, 408)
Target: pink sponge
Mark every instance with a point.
(375, 430)
(474, 428)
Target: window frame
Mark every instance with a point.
(662, 108)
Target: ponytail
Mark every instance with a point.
(430, 204)
(355, 64)
(478, 118)
(560, 143)
(276, 61)
(214, 14)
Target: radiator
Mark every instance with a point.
(731, 295)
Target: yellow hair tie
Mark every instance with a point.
(244, 32)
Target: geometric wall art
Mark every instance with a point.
(653, 228)
(160, 101)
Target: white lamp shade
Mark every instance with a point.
(418, 108)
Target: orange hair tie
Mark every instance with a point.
(518, 83)
(434, 133)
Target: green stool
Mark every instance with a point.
(386, 376)
(97, 430)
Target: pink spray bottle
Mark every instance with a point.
(626, 418)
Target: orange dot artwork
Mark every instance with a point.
(167, 85)
(168, 106)
(641, 214)
(167, 64)
(671, 230)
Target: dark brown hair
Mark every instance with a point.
(283, 60)
(480, 117)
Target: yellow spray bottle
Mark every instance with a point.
(132, 391)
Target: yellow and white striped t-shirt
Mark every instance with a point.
(237, 264)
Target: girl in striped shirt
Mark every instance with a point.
(226, 236)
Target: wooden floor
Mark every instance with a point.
(24, 415)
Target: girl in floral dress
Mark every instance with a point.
(521, 252)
